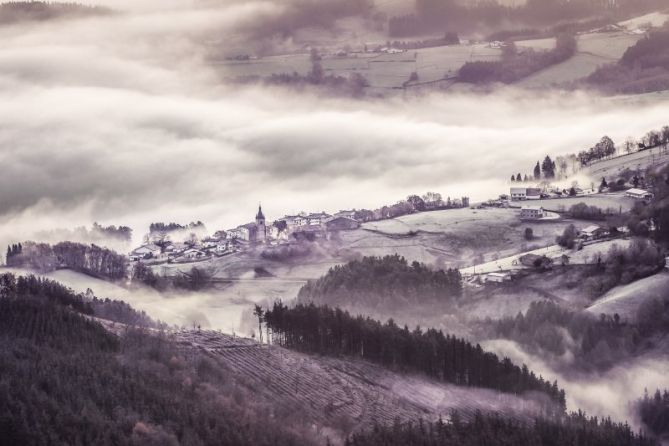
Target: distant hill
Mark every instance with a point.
(16, 12)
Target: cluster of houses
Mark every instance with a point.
(159, 247)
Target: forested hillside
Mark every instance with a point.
(329, 331)
(65, 380)
(88, 259)
(596, 342)
(643, 68)
(13, 12)
(654, 413)
(576, 430)
(383, 282)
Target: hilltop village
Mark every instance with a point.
(175, 243)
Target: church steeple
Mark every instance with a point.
(261, 229)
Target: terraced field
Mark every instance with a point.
(344, 395)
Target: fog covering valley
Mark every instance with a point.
(116, 115)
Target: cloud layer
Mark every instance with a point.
(124, 120)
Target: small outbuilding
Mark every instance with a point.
(497, 277)
(639, 194)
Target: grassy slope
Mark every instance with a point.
(626, 299)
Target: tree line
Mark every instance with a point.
(96, 234)
(88, 259)
(332, 331)
(437, 15)
(383, 282)
(575, 429)
(429, 201)
(596, 342)
(20, 11)
(654, 412)
(644, 67)
(516, 65)
(39, 288)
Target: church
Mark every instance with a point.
(255, 232)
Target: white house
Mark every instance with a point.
(532, 213)
(593, 232)
(240, 233)
(317, 218)
(194, 254)
(518, 193)
(145, 252)
(497, 277)
(639, 194)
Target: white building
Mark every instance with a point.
(497, 277)
(145, 252)
(593, 232)
(518, 193)
(532, 213)
(194, 254)
(639, 194)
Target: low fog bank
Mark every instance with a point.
(600, 394)
(122, 120)
(226, 308)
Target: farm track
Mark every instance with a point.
(327, 390)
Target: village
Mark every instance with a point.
(192, 244)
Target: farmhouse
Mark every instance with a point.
(145, 252)
(194, 254)
(317, 218)
(593, 232)
(525, 193)
(532, 213)
(639, 194)
(497, 277)
(341, 224)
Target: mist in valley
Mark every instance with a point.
(122, 119)
(133, 117)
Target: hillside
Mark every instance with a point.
(625, 300)
(66, 379)
(38, 11)
(54, 360)
(344, 395)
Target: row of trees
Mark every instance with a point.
(654, 412)
(515, 66)
(551, 331)
(354, 85)
(38, 288)
(605, 148)
(195, 279)
(436, 15)
(88, 259)
(413, 203)
(331, 331)
(575, 429)
(383, 282)
(620, 265)
(20, 11)
(644, 67)
(96, 234)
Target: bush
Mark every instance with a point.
(568, 237)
